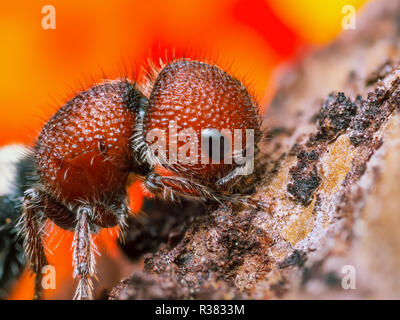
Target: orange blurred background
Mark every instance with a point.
(42, 68)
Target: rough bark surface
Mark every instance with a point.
(331, 189)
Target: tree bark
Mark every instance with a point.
(331, 192)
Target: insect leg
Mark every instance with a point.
(169, 187)
(32, 230)
(84, 260)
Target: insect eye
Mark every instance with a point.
(215, 144)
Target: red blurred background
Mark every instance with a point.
(42, 68)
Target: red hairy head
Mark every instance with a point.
(201, 97)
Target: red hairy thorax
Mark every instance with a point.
(83, 152)
(196, 95)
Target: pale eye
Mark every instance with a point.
(215, 144)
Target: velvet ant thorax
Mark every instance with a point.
(82, 161)
(191, 96)
(83, 152)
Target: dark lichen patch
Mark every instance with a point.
(297, 258)
(359, 133)
(304, 176)
(379, 73)
(372, 112)
(334, 117)
(362, 116)
(295, 149)
(338, 114)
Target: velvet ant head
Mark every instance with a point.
(204, 121)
